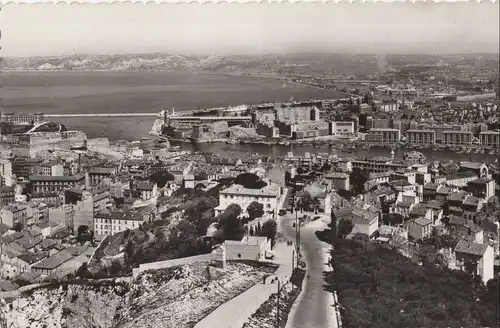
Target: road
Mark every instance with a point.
(236, 311)
(314, 307)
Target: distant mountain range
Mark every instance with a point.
(139, 62)
(283, 64)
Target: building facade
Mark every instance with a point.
(383, 136)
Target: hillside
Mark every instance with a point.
(175, 297)
(378, 288)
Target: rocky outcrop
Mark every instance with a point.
(175, 297)
(158, 124)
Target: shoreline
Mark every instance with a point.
(344, 144)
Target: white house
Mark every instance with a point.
(249, 248)
(269, 196)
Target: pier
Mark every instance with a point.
(102, 115)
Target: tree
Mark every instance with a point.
(255, 210)
(344, 228)
(250, 181)
(270, 230)
(231, 226)
(304, 201)
(316, 204)
(84, 234)
(358, 179)
(201, 176)
(161, 178)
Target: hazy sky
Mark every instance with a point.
(31, 30)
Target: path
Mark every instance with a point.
(314, 307)
(235, 312)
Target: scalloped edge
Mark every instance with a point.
(29, 2)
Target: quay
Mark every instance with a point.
(101, 115)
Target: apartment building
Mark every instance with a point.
(457, 137)
(341, 128)
(490, 138)
(383, 136)
(43, 183)
(420, 137)
(269, 197)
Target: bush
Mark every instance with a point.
(378, 287)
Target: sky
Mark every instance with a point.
(223, 29)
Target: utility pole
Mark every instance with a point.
(278, 307)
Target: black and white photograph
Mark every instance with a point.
(259, 165)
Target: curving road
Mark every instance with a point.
(314, 307)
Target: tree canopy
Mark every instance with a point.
(358, 179)
(250, 181)
(230, 226)
(378, 288)
(255, 210)
(161, 178)
(269, 229)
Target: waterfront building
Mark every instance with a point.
(377, 164)
(311, 129)
(22, 118)
(457, 137)
(269, 196)
(419, 137)
(341, 128)
(383, 136)
(490, 138)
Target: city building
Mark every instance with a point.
(341, 128)
(43, 183)
(269, 196)
(478, 257)
(340, 180)
(250, 248)
(365, 221)
(97, 174)
(490, 138)
(482, 187)
(383, 136)
(457, 137)
(419, 227)
(419, 137)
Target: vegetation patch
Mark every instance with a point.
(379, 287)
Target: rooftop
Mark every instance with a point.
(460, 175)
(470, 248)
(68, 178)
(271, 190)
(422, 221)
(54, 261)
(471, 165)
